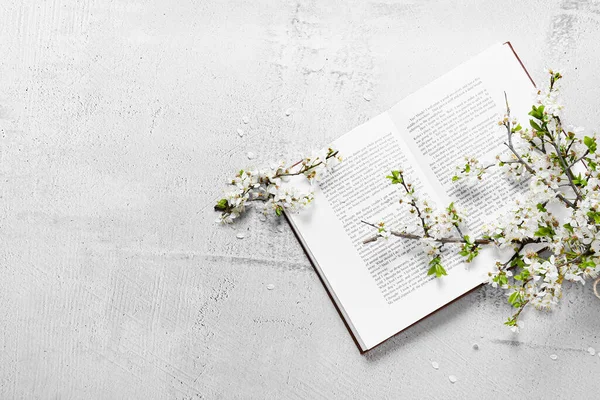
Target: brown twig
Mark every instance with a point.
(524, 163)
(412, 236)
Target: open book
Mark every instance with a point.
(381, 288)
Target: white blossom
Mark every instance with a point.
(270, 188)
(553, 228)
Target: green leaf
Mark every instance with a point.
(221, 205)
(540, 206)
(537, 112)
(587, 262)
(591, 164)
(467, 168)
(395, 177)
(436, 268)
(568, 227)
(594, 215)
(517, 262)
(278, 210)
(440, 271)
(541, 110)
(544, 231)
(580, 181)
(535, 126)
(533, 111)
(515, 299)
(469, 250)
(501, 279)
(590, 143)
(474, 253)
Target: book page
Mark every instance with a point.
(454, 116)
(364, 279)
(457, 117)
(394, 266)
(382, 287)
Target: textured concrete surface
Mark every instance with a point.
(117, 130)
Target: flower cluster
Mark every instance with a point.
(435, 226)
(549, 97)
(268, 187)
(554, 229)
(559, 164)
(445, 222)
(471, 171)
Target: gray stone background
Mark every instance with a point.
(118, 129)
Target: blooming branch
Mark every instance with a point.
(266, 187)
(561, 168)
